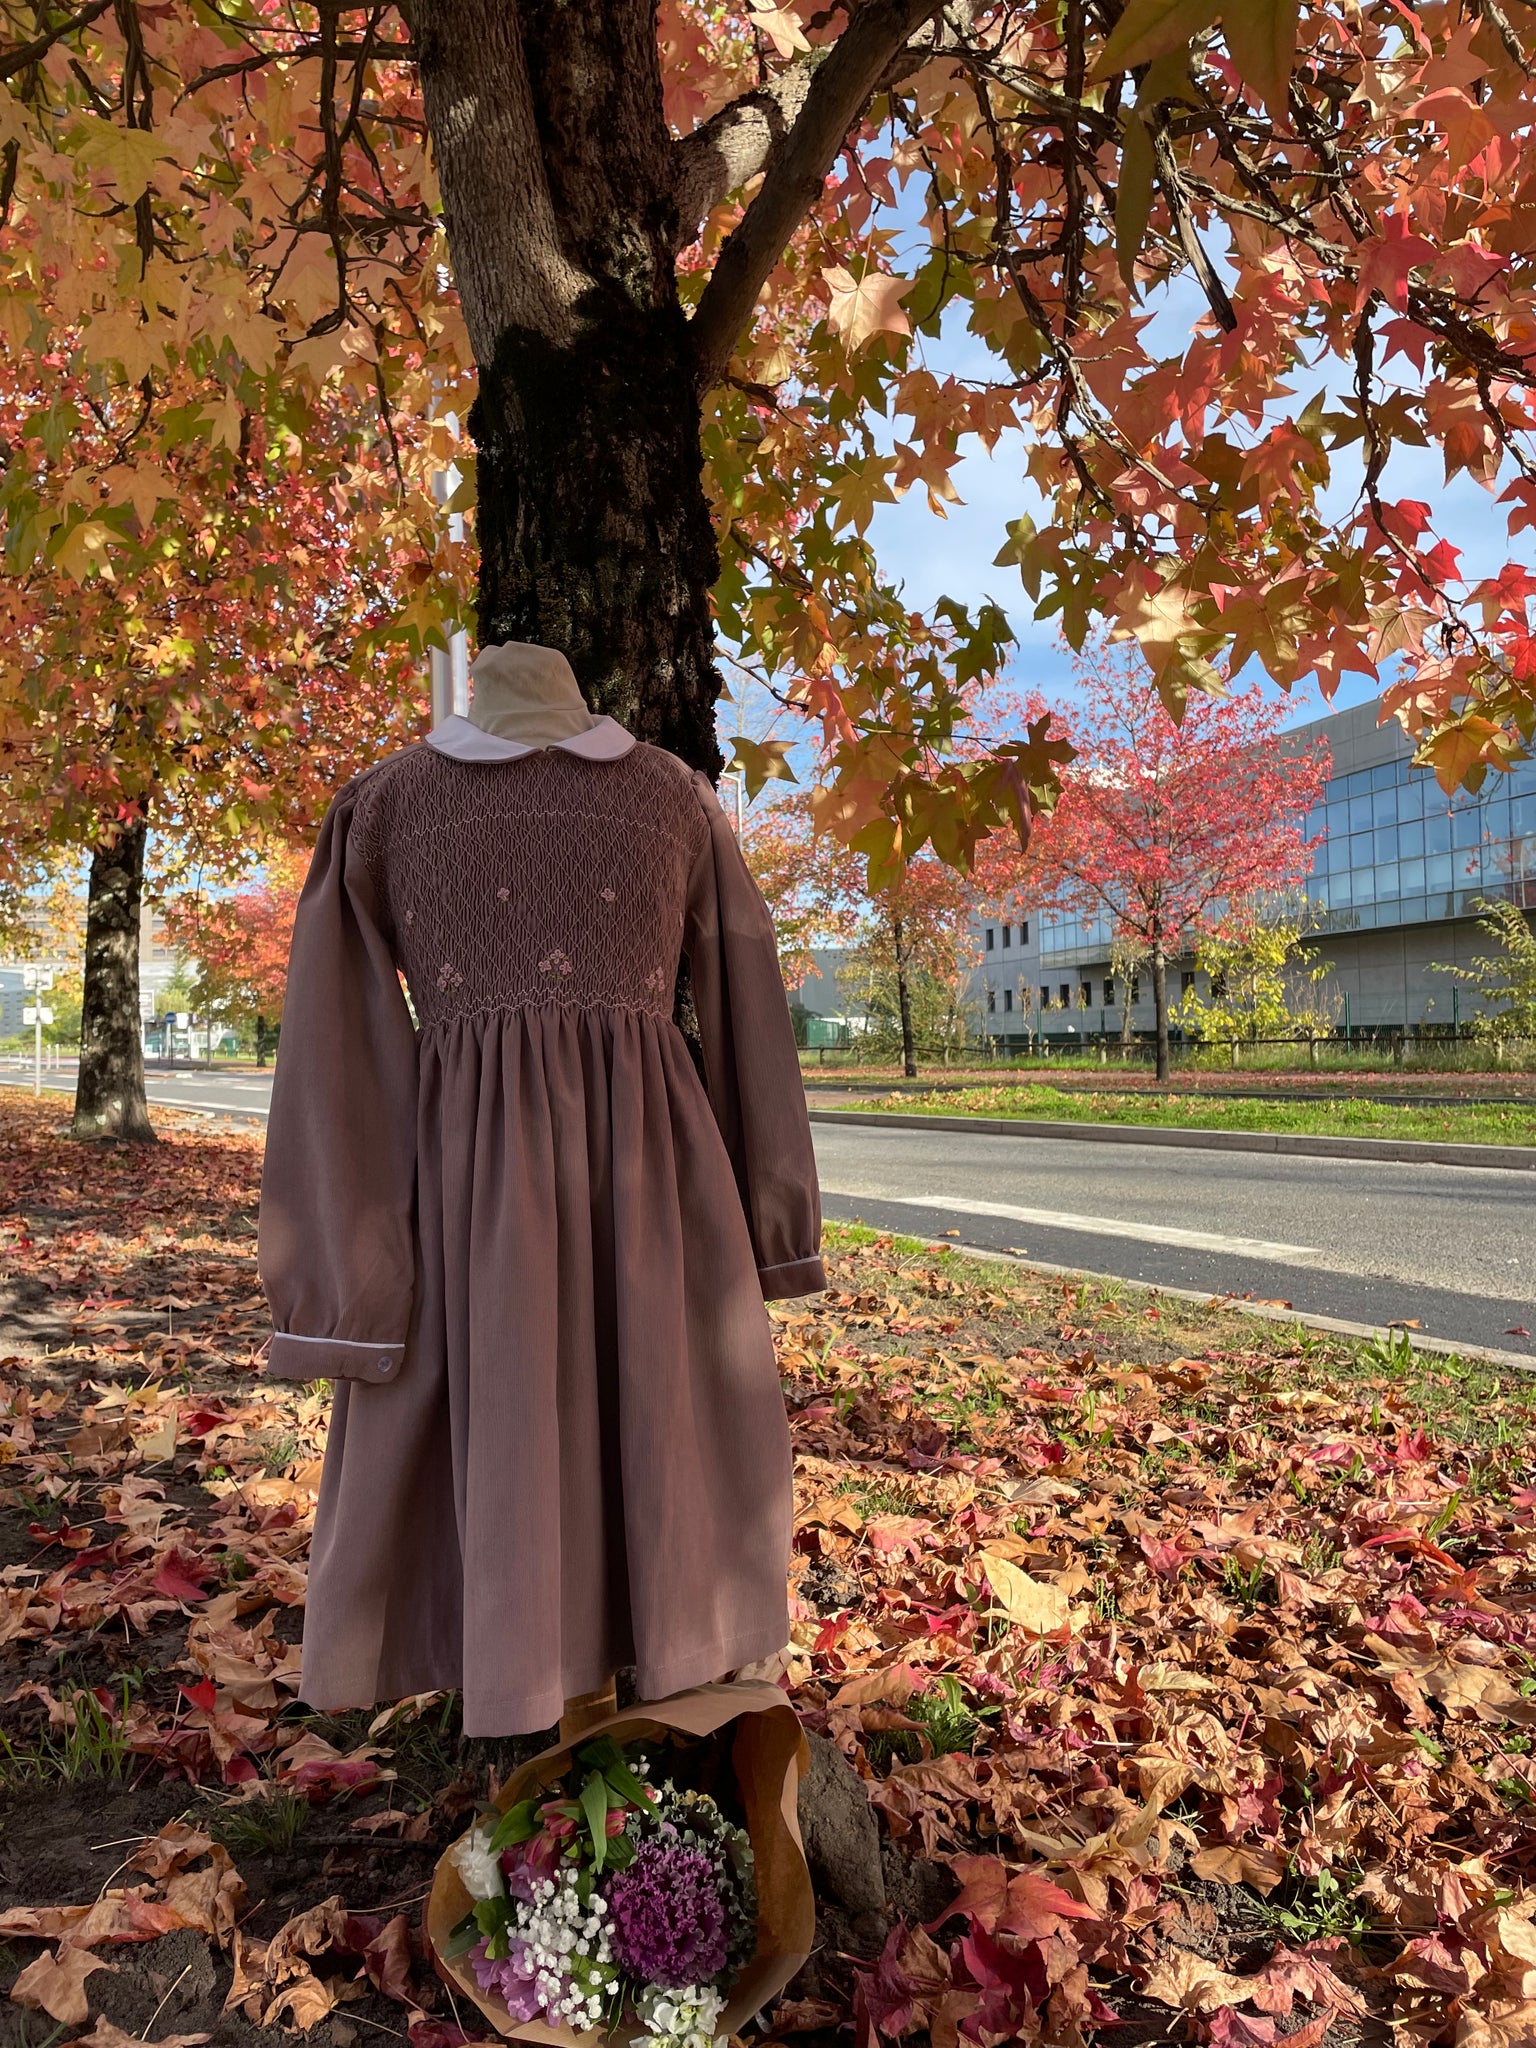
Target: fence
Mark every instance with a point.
(1431, 1048)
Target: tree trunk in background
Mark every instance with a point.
(1160, 1007)
(594, 530)
(904, 1001)
(109, 1096)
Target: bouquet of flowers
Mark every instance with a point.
(645, 1883)
(610, 1894)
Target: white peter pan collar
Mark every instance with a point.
(604, 740)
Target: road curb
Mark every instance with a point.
(1405, 1151)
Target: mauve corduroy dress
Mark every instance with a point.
(526, 1244)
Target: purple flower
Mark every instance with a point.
(512, 1979)
(666, 1915)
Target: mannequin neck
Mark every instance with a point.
(526, 693)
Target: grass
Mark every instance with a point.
(1464, 1123)
(92, 1748)
(1479, 1407)
(265, 1826)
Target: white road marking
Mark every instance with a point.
(1100, 1226)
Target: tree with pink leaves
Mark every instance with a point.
(1163, 825)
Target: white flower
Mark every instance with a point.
(679, 2019)
(477, 1863)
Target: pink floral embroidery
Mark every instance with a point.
(410, 917)
(656, 981)
(554, 963)
(448, 976)
(502, 895)
(608, 896)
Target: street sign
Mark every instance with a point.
(37, 977)
(36, 1013)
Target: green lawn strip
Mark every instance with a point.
(1464, 1124)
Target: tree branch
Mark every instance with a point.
(28, 53)
(735, 143)
(839, 89)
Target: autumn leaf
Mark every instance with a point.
(127, 155)
(1030, 1604)
(761, 761)
(1148, 28)
(55, 1984)
(105, 2035)
(1262, 34)
(860, 307)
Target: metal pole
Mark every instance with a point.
(450, 666)
(37, 1046)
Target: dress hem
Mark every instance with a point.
(533, 1714)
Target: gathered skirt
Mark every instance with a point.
(584, 1461)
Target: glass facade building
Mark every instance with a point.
(1397, 878)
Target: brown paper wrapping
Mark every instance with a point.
(770, 1758)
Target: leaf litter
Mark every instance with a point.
(1189, 1665)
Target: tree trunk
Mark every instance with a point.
(1160, 1007)
(594, 530)
(109, 1096)
(904, 1001)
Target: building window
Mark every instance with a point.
(1109, 989)
(1024, 933)
(1007, 936)
(1135, 988)
(1045, 996)
(1007, 998)
(1066, 995)
(1187, 982)
(1085, 995)
(991, 938)
(991, 998)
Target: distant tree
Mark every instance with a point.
(910, 939)
(1505, 980)
(238, 946)
(1163, 825)
(1264, 982)
(811, 882)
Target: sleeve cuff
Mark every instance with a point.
(799, 1276)
(291, 1357)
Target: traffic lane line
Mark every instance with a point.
(1100, 1226)
(1453, 1315)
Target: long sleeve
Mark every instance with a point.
(336, 1247)
(752, 1069)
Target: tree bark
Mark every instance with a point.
(109, 1096)
(556, 171)
(1160, 1007)
(904, 1001)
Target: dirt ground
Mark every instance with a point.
(1188, 1666)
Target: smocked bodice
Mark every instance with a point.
(550, 879)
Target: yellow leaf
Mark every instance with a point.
(143, 487)
(862, 306)
(1261, 35)
(762, 761)
(81, 553)
(123, 336)
(1033, 1605)
(127, 155)
(224, 422)
(1147, 28)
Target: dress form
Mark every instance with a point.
(527, 694)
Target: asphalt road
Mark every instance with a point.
(1452, 1249)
